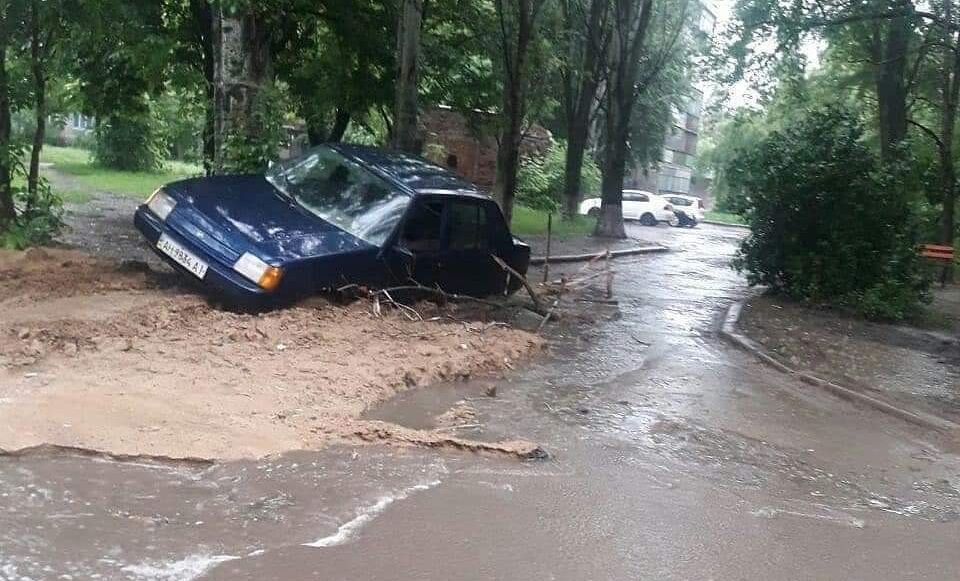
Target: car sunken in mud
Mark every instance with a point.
(339, 215)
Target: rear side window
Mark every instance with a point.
(467, 224)
(681, 202)
(635, 198)
(423, 229)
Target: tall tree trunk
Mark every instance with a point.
(631, 24)
(573, 167)
(951, 100)
(317, 132)
(341, 121)
(40, 102)
(891, 58)
(8, 212)
(203, 14)
(516, 46)
(406, 131)
(508, 153)
(580, 91)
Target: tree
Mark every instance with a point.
(586, 31)
(334, 74)
(518, 20)
(631, 20)
(938, 95)
(9, 22)
(805, 182)
(883, 32)
(405, 130)
(120, 53)
(46, 29)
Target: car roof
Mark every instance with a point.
(412, 172)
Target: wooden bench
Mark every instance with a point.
(940, 253)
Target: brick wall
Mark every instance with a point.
(469, 146)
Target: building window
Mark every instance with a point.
(673, 183)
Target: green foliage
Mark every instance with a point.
(540, 179)
(253, 139)
(724, 217)
(530, 222)
(179, 118)
(129, 141)
(38, 216)
(828, 226)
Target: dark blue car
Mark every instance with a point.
(340, 215)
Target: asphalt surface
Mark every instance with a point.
(673, 456)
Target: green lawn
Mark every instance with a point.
(528, 222)
(724, 217)
(90, 177)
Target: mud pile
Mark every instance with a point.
(113, 357)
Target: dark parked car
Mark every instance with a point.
(340, 215)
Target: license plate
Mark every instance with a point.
(182, 256)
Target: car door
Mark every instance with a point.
(634, 205)
(419, 250)
(468, 267)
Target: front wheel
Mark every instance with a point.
(593, 212)
(648, 219)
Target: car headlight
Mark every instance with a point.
(267, 277)
(161, 204)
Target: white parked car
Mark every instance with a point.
(650, 209)
(689, 209)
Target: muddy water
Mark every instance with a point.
(673, 457)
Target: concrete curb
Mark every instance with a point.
(729, 330)
(613, 254)
(727, 224)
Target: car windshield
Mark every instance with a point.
(342, 192)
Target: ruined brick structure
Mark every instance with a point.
(469, 145)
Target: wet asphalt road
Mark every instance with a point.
(674, 456)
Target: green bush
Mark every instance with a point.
(180, 119)
(38, 217)
(540, 179)
(828, 224)
(129, 141)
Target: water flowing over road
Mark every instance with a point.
(673, 456)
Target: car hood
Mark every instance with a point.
(247, 213)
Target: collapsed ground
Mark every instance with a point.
(116, 357)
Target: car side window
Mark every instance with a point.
(423, 230)
(467, 225)
(635, 198)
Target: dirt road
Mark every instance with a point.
(674, 456)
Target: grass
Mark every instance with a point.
(90, 177)
(530, 222)
(724, 217)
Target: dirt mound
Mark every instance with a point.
(104, 358)
(41, 273)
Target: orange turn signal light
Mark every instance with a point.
(271, 278)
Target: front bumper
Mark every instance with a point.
(220, 280)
